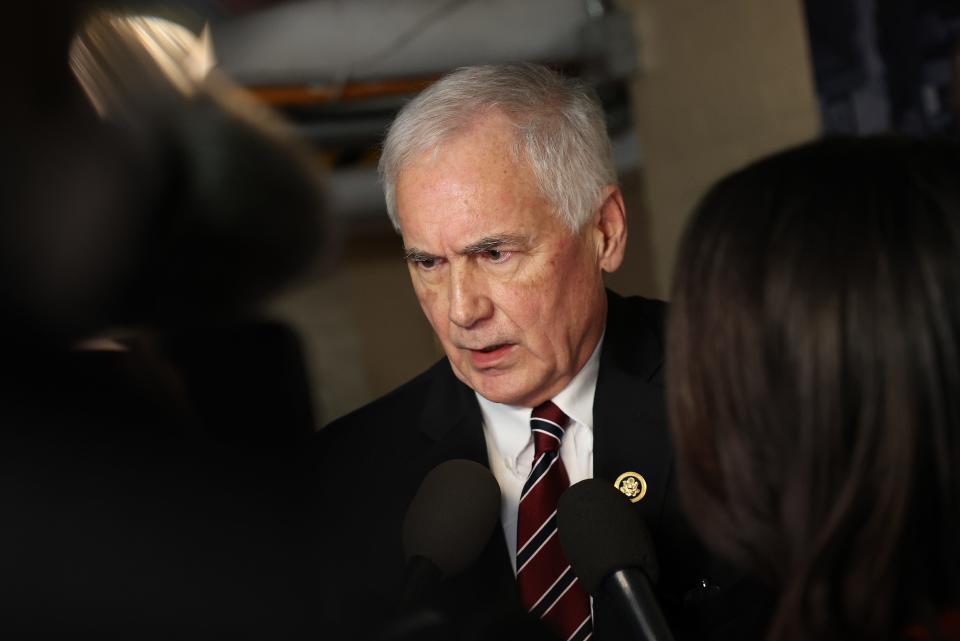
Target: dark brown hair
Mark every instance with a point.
(814, 380)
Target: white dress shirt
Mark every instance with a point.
(506, 429)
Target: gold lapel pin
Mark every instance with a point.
(632, 484)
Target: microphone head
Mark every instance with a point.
(601, 532)
(452, 515)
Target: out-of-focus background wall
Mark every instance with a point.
(692, 88)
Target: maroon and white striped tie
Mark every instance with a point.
(548, 587)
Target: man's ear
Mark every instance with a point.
(610, 229)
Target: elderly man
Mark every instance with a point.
(501, 183)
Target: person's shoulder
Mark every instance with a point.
(401, 401)
(634, 337)
(638, 304)
(638, 311)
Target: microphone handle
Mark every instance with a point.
(421, 579)
(632, 591)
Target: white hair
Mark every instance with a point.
(560, 130)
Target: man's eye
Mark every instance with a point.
(497, 255)
(427, 263)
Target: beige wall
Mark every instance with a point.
(361, 326)
(721, 82)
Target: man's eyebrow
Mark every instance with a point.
(412, 254)
(492, 242)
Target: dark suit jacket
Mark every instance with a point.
(373, 460)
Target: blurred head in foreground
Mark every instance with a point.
(814, 381)
(160, 192)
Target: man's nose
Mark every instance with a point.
(469, 302)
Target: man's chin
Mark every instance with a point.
(501, 388)
(495, 385)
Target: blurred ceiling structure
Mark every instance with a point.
(340, 69)
(340, 41)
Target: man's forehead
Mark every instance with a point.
(463, 212)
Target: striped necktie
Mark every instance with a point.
(548, 587)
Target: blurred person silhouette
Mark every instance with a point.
(814, 384)
(160, 198)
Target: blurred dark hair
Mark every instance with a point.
(814, 380)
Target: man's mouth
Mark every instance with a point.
(490, 355)
(491, 348)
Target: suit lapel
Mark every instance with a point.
(451, 420)
(630, 423)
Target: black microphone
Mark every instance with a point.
(447, 524)
(446, 527)
(611, 551)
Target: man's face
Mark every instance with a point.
(514, 296)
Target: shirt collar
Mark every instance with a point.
(510, 424)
